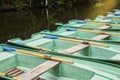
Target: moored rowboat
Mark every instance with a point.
(86, 34)
(89, 24)
(18, 66)
(39, 41)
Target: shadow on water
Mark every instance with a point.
(23, 24)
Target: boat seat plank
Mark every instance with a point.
(75, 48)
(82, 46)
(104, 27)
(35, 72)
(8, 71)
(100, 37)
(14, 72)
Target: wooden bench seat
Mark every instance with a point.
(35, 72)
(100, 37)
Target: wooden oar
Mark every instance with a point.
(99, 32)
(36, 54)
(95, 28)
(55, 53)
(74, 40)
(3, 74)
(92, 31)
(102, 23)
(84, 42)
(68, 55)
(116, 18)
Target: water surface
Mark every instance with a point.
(23, 24)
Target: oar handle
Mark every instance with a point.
(30, 53)
(99, 44)
(114, 34)
(99, 32)
(72, 40)
(61, 60)
(44, 56)
(117, 18)
(84, 42)
(102, 23)
(94, 22)
(90, 31)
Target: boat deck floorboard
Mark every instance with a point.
(35, 72)
(14, 72)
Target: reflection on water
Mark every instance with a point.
(23, 24)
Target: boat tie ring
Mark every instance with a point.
(85, 42)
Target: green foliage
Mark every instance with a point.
(33, 3)
(20, 3)
(60, 2)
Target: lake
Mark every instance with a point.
(22, 24)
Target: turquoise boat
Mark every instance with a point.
(39, 40)
(112, 41)
(16, 65)
(67, 53)
(115, 16)
(111, 17)
(90, 24)
(93, 35)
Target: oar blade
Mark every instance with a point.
(50, 37)
(7, 48)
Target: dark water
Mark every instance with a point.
(24, 23)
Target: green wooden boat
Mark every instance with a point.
(111, 17)
(112, 41)
(115, 16)
(15, 65)
(104, 19)
(94, 35)
(90, 24)
(109, 22)
(65, 46)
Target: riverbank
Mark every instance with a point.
(24, 23)
(9, 5)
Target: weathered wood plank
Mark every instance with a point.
(14, 72)
(10, 70)
(38, 70)
(100, 37)
(17, 73)
(105, 27)
(75, 48)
